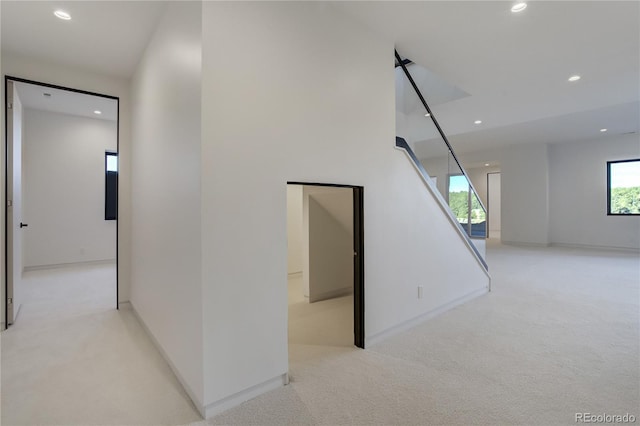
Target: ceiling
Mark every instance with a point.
(107, 37)
(515, 67)
(508, 70)
(65, 102)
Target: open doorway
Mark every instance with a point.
(493, 205)
(61, 171)
(325, 264)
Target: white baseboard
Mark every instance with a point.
(378, 337)
(331, 294)
(67, 265)
(592, 247)
(231, 401)
(194, 400)
(524, 244)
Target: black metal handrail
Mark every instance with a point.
(403, 64)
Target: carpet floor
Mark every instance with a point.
(558, 335)
(72, 359)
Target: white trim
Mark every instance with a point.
(404, 326)
(231, 401)
(593, 247)
(196, 403)
(66, 265)
(332, 294)
(524, 244)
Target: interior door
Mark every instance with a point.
(358, 266)
(14, 203)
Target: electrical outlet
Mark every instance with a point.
(420, 288)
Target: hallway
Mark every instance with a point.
(72, 358)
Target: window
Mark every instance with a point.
(111, 186)
(623, 187)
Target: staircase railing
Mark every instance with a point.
(420, 135)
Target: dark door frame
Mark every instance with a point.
(8, 78)
(358, 256)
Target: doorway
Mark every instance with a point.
(326, 259)
(493, 205)
(61, 191)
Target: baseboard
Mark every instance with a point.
(332, 294)
(71, 264)
(524, 244)
(404, 326)
(238, 398)
(194, 400)
(594, 247)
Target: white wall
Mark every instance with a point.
(294, 228)
(329, 232)
(578, 193)
(46, 72)
(166, 287)
(543, 185)
(327, 115)
(494, 203)
(64, 189)
(525, 195)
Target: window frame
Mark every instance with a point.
(108, 188)
(609, 163)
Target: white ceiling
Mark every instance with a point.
(508, 70)
(106, 37)
(515, 66)
(66, 102)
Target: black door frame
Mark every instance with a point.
(8, 78)
(358, 256)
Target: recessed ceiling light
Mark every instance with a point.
(97, 112)
(427, 115)
(603, 130)
(62, 15)
(574, 78)
(518, 7)
(486, 164)
(477, 122)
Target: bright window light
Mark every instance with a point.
(112, 163)
(623, 187)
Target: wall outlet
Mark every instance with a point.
(420, 289)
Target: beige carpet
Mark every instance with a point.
(558, 335)
(72, 359)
